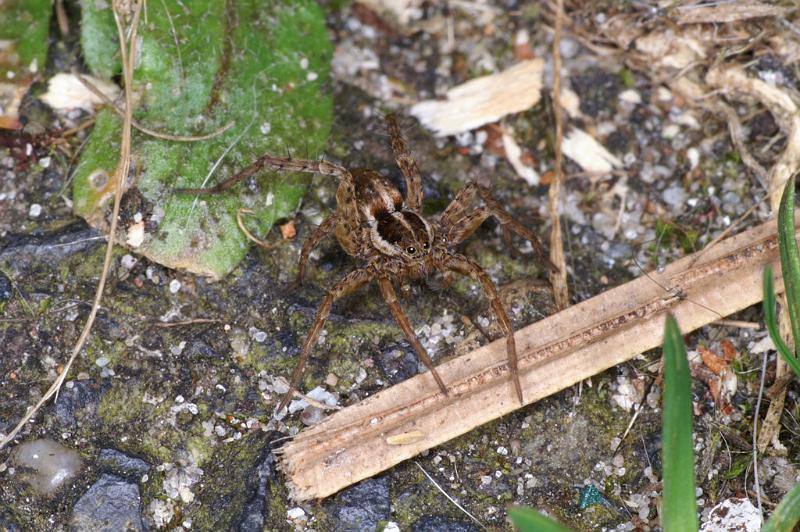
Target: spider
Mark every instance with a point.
(376, 224)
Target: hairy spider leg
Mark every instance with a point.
(469, 268)
(390, 296)
(457, 222)
(285, 164)
(327, 227)
(406, 164)
(350, 282)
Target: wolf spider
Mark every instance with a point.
(374, 223)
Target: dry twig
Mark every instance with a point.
(557, 279)
(120, 175)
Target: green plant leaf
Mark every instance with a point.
(24, 25)
(787, 514)
(201, 66)
(680, 504)
(790, 256)
(772, 322)
(529, 520)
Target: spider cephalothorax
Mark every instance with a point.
(374, 223)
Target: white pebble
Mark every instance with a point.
(296, 513)
(35, 210)
(45, 162)
(128, 261)
(102, 361)
(174, 286)
(693, 154)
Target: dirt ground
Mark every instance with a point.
(193, 402)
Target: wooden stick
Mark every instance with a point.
(555, 353)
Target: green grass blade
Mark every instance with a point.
(786, 514)
(680, 505)
(528, 520)
(772, 323)
(790, 256)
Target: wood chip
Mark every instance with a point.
(483, 100)
(588, 153)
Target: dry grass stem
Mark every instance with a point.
(251, 237)
(554, 354)
(557, 279)
(120, 177)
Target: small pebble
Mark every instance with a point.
(35, 210)
(296, 513)
(174, 286)
(102, 361)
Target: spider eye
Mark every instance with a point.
(411, 250)
(425, 245)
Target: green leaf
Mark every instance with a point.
(772, 322)
(680, 505)
(201, 66)
(24, 25)
(787, 514)
(790, 257)
(528, 520)
(99, 43)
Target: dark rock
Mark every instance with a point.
(7, 523)
(598, 91)
(5, 287)
(442, 524)
(256, 512)
(130, 467)
(75, 238)
(77, 398)
(361, 507)
(111, 504)
(198, 349)
(398, 362)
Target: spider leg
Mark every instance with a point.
(327, 226)
(283, 164)
(457, 222)
(347, 284)
(390, 296)
(406, 163)
(469, 268)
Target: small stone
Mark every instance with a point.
(35, 210)
(296, 513)
(174, 286)
(363, 506)
(102, 362)
(128, 261)
(110, 504)
(331, 380)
